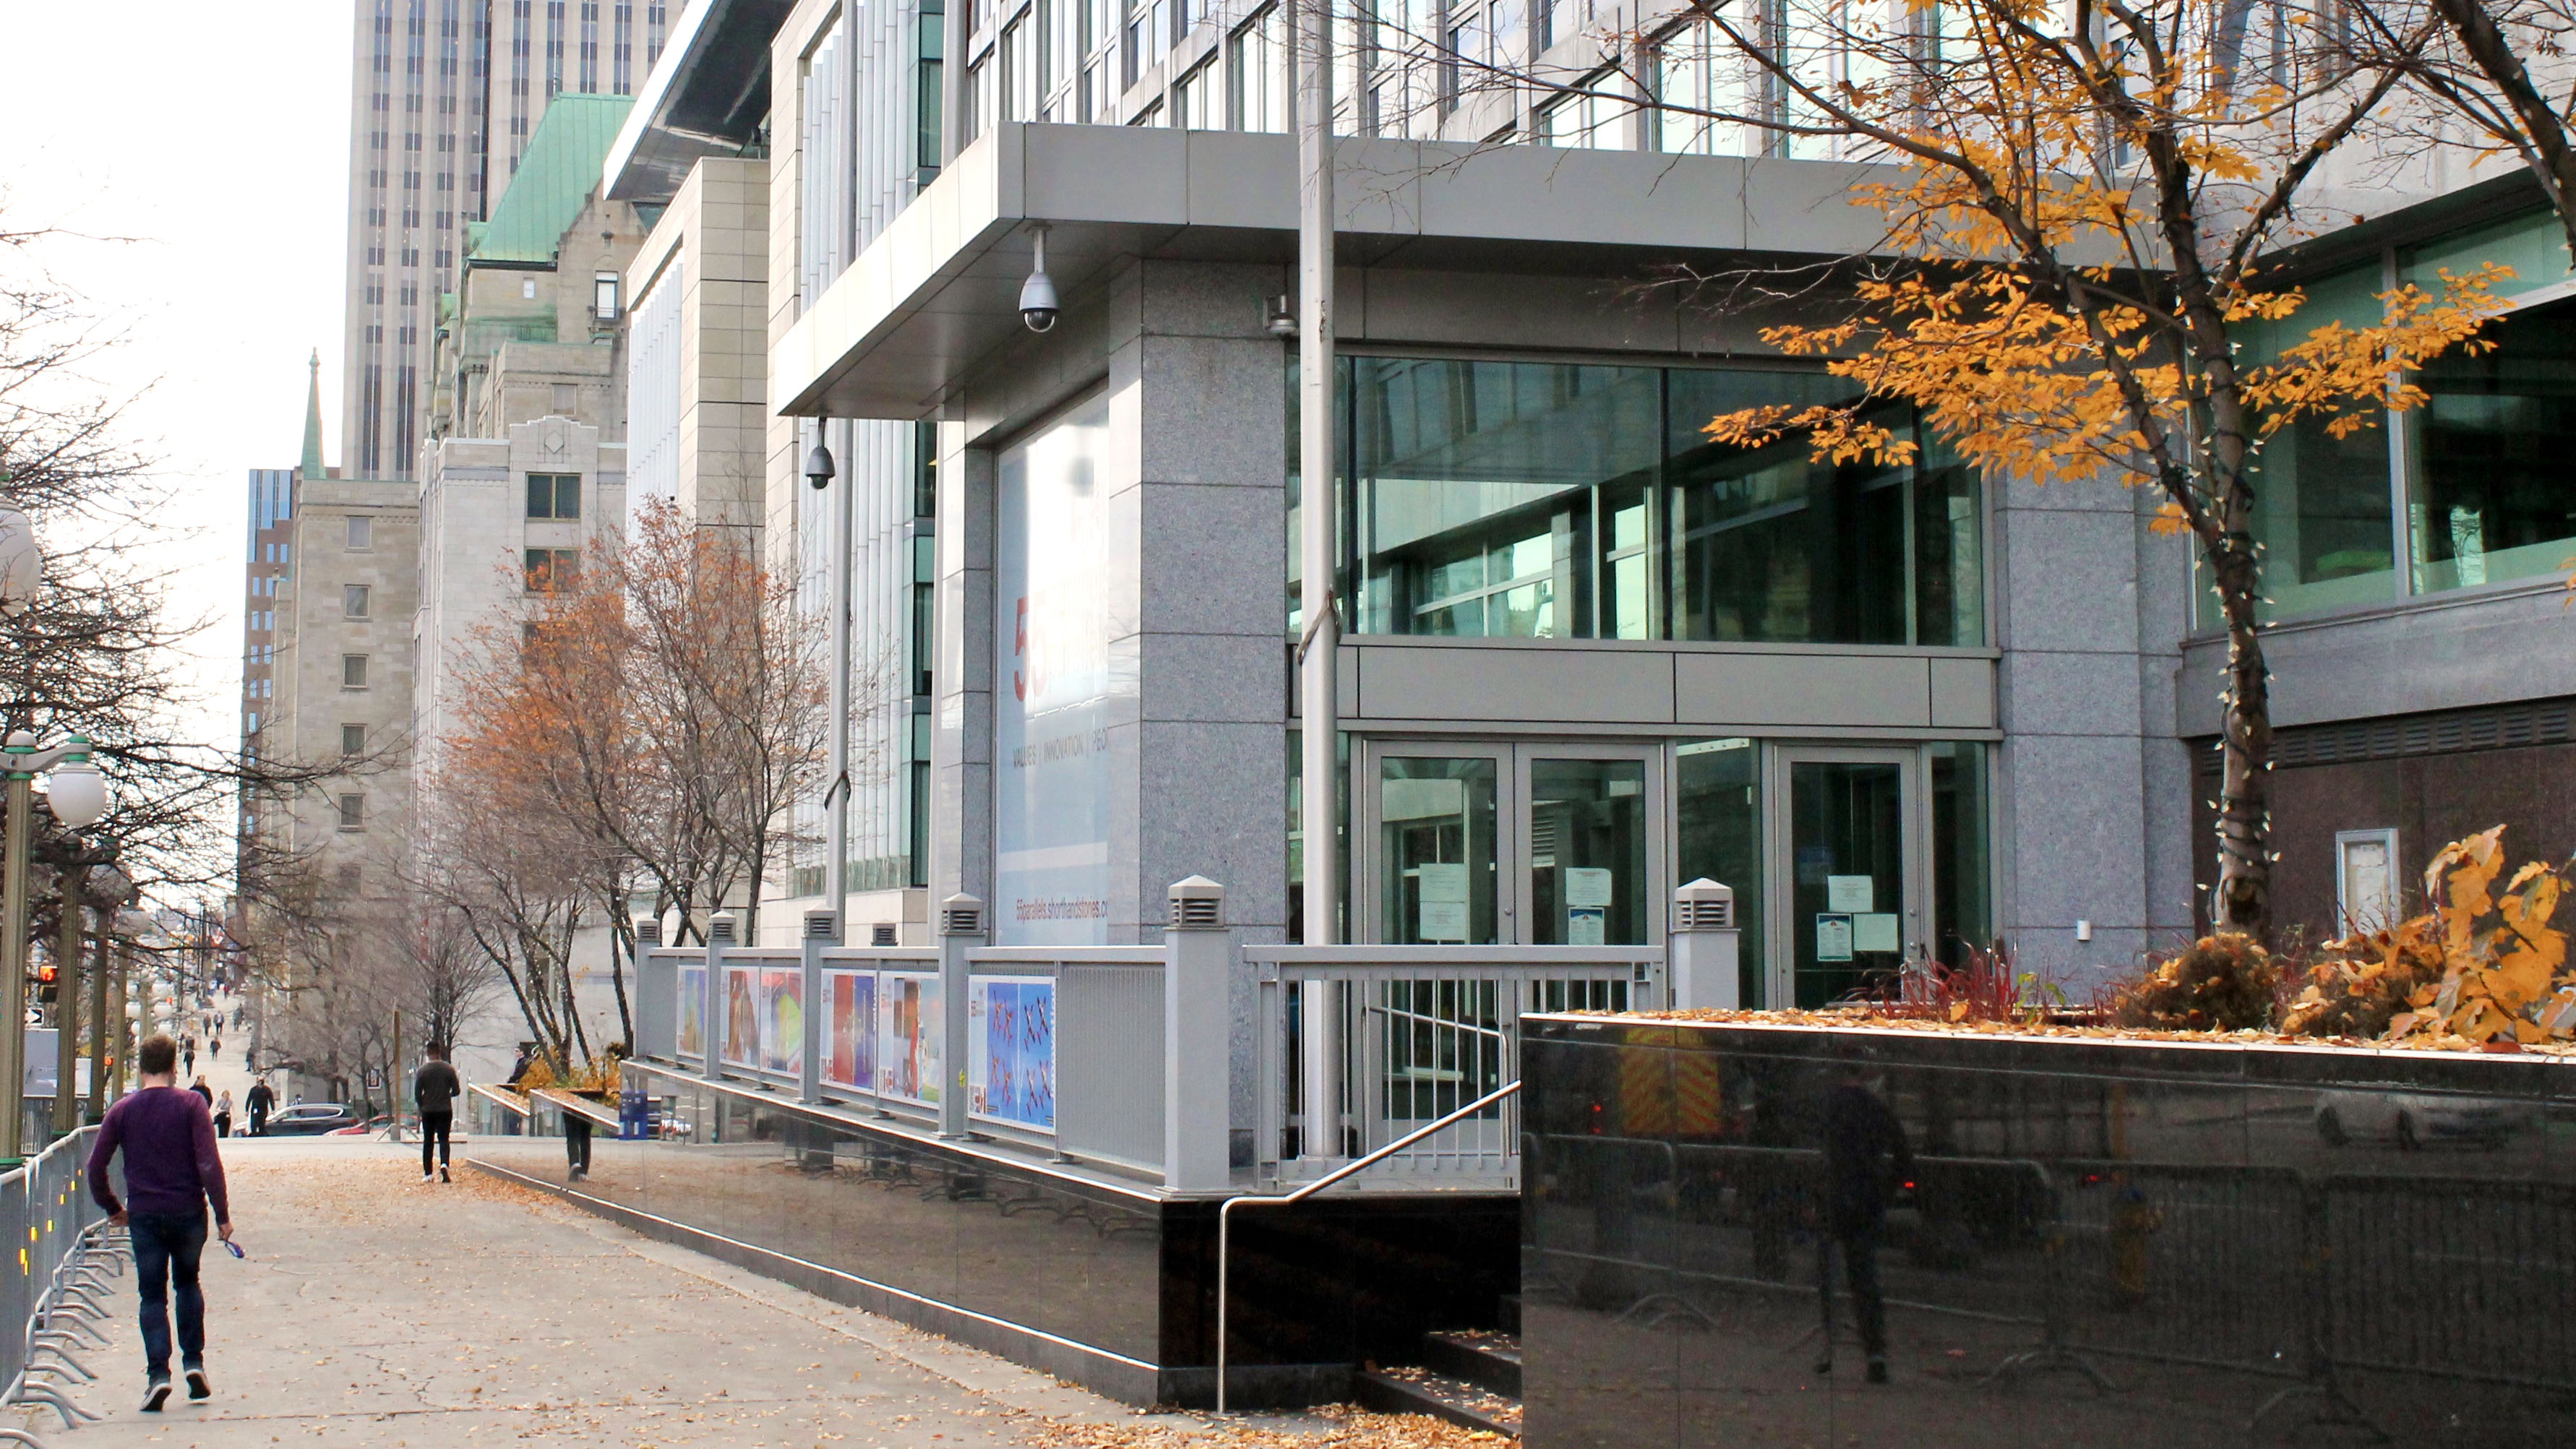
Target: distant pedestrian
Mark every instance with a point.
(172, 1173)
(215, 1048)
(224, 1115)
(189, 1052)
(434, 1089)
(257, 1104)
(202, 1090)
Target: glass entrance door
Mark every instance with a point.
(1592, 828)
(1850, 902)
(1559, 843)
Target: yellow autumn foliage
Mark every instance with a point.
(2481, 966)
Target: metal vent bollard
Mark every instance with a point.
(882, 934)
(720, 931)
(823, 925)
(1198, 904)
(1701, 961)
(1704, 905)
(648, 932)
(961, 915)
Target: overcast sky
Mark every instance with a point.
(214, 136)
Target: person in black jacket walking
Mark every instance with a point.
(434, 1089)
(1866, 1163)
(259, 1104)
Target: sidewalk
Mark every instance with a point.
(376, 1311)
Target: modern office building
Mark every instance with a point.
(1590, 654)
(445, 99)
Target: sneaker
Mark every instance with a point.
(198, 1387)
(1877, 1369)
(155, 1395)
(424, 1177)
(442, 1173)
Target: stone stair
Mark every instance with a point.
(1471, 1378)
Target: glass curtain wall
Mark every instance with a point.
(1492, 499)
(2464, 493)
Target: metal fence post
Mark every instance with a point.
(1701, 969)
(1197, 952)
(711, 1008)
(961, 928)
(822, 928)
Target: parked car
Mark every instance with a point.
(367, 1128)
(2411, 1120)
(311, 1119)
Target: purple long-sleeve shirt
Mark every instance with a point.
(170, 1161)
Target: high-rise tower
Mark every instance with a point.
(445, 95)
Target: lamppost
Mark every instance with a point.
(78, 794)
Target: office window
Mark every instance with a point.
(1535, 500)
(549, 568)
(1194, 98)
(353, 812)
(2490, 501)
(362, 533)
(1591, 116)
(554, 495)
(353, 739)
(603, 296)
(353, 671)
(566, 397)
(1259, 61)
(354, 601)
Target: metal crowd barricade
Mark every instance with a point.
(2459, 1278)
(2216, 1248)
(1412, 1034)
(67, 1256)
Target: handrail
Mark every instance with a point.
(1225, 1212)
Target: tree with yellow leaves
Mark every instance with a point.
(2081, 200)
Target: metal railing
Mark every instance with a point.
(66, 1254)
(1371, 1041)
(1225, 1210)
(1102, 1054)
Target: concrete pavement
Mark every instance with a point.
(377, 1311)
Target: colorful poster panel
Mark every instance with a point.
(850, 1057)
(908, 1036)
(693, 1011)
(742, 1016)
(782, 1020)
(1011, 1074)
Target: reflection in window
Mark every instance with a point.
(1531, 500)
(2491, 502)
(1436, 845)
(1960, 872)
(1480, 494)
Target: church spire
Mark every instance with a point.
(311, 466)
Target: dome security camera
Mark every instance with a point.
(1037, 295)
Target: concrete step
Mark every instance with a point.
(1424, 1391)
(1488, 1359)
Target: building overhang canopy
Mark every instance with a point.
(708, 95)
(938, 290)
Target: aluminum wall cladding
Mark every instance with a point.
(707, 95)
(939, 289)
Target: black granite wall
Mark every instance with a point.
(2098, 1243)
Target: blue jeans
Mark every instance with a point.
(166, 1247)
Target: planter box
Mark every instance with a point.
(2140, 1244)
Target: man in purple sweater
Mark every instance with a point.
(171, 1174)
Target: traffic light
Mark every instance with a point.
(47, 979)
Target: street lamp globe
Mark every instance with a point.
(22, 564)
(77, 792)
